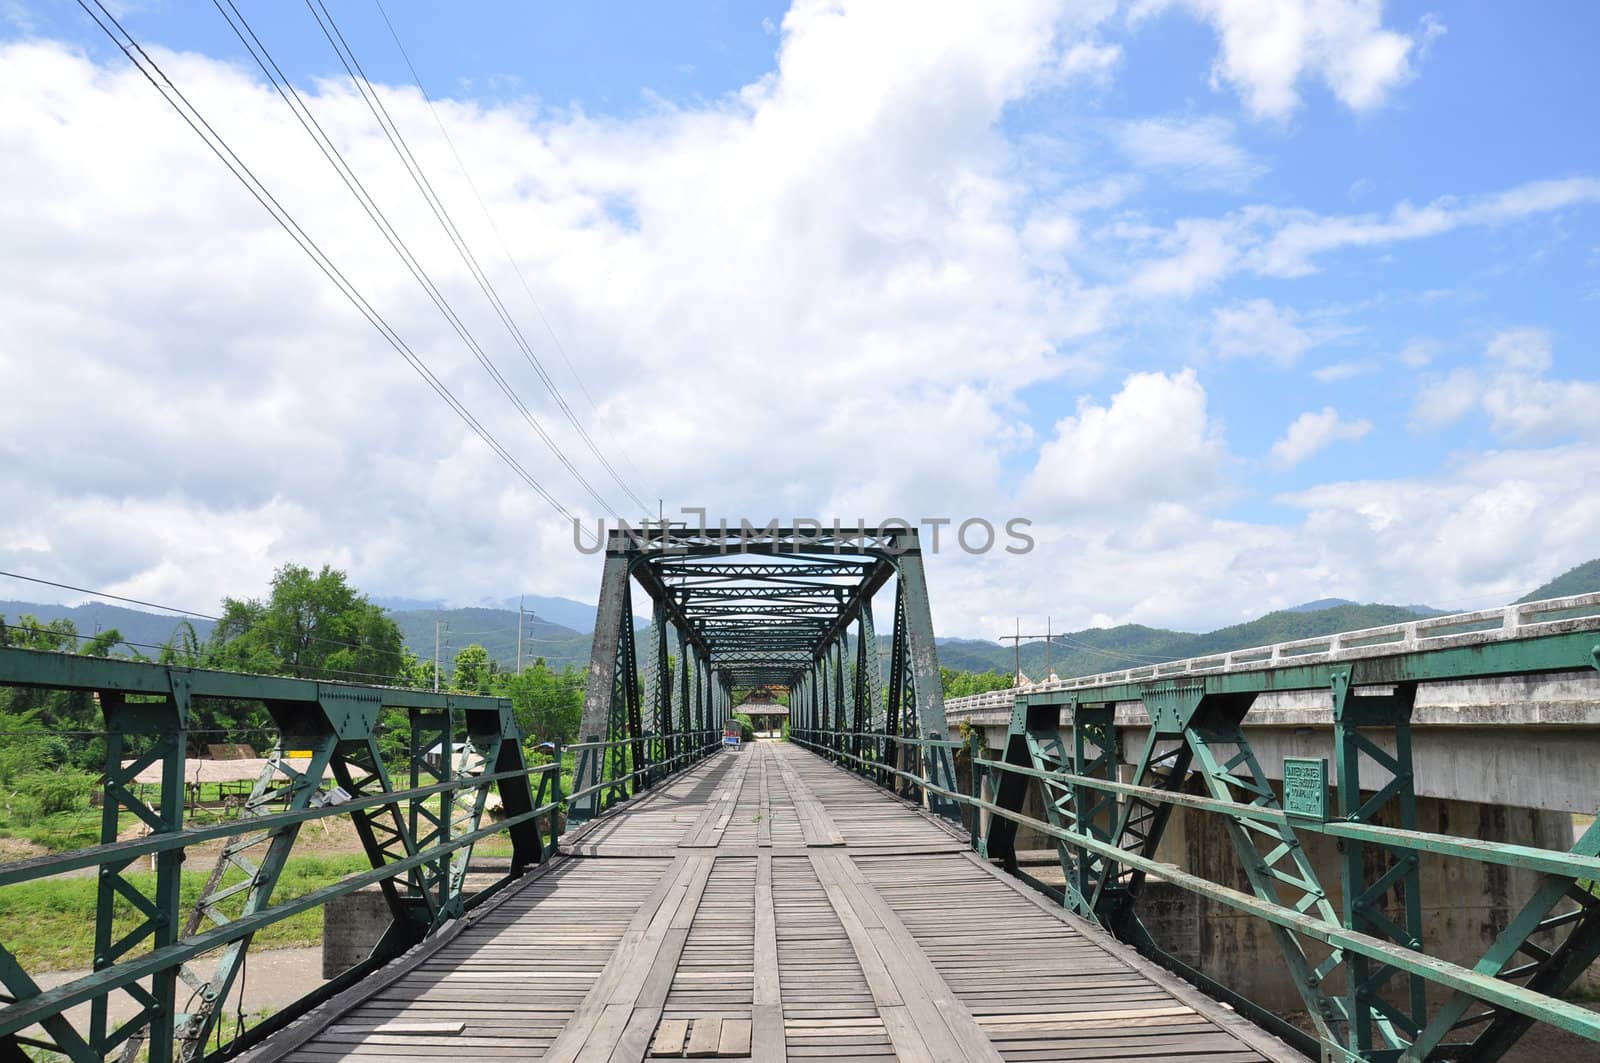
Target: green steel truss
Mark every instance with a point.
(1368, 1002)
(792, 608)
(786, 607)
(180, 970)
(1360, 965)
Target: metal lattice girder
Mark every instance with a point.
(612, 620)
(1374, 1021)
(1559, 907)
(1274, 863)
(145, 707)
(1072, 806)
(165, 722)
(784, 618)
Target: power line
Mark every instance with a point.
(341, 167)
(505, 248)
(117, 597)
(321, 639)
(151, 71)
(397, 140)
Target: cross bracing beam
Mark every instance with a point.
(418, 814)
(773, 572)
(1360, 965)
(783, 617)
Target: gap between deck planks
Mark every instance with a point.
(870, 985)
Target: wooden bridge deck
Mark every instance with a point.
(767, 905)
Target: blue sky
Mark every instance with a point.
(1238, 318)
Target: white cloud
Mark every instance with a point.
(1479, 532)
(1337, 371)
(1090, 61)
(1154, 443)
(1418, 353)
(1259, 328)
(837, 245)
(1199, 151)
(1312, 432)
(827, 293)
(1476, 534)
(1446, 399)
(1195, 254)
(1192, 255)
(1520, 350)
(1269, 47)
(1513, 392)
(1286, 243)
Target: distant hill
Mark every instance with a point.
(1320, 603)
(560, 630)
(496, 631)
(1130, 645)
(1584, 579)
(1329, 603)
(135, 625)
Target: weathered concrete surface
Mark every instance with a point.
(1530, 742)
(352, 923)
(1465, 904)
(1504, 760)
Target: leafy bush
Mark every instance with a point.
(747, 729)
(46, 793)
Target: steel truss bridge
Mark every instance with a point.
(841, 894)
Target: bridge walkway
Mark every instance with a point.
(768, 905)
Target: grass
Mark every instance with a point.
(62, 832)
(48, 925)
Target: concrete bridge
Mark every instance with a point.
(1507, 758)
(1101, 868)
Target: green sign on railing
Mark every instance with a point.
(1305, 787)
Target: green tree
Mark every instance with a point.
(548, 704)
(312, 624)
(472, 670)
(414, 671)
(960, 684)
(52, 728)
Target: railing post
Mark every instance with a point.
(1362, 900)
(586, 773)
(556, 813)
(975, 775)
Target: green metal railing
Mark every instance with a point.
(418, 837)
(1094, 855)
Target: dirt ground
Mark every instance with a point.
(272, 979)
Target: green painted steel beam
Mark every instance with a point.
(1556, 652)
(25, 1013)
(1566, 1015)
(65, 671)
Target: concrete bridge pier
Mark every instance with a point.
(1465, 904)
(1501, 760)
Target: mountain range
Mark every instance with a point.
(560, 630)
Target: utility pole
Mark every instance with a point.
(1017, 639)
(436, 655)
(520, 600)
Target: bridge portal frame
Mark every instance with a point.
(759, 606)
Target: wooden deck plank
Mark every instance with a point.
(768, 906)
